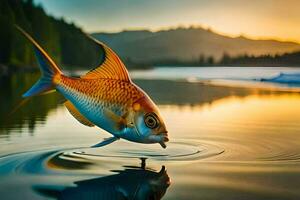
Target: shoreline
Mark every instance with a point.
(7, 70)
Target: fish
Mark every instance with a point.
(105, 97)
(131, 183)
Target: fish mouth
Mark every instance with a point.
(164, 139)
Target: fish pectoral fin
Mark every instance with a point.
(77, 115)
(125, 121)
(131, 125)
(105, 142)
(120, 121)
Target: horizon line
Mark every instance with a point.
(195, 26)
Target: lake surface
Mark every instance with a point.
(227, 141)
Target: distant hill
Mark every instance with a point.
(68, 45)
(187, 44)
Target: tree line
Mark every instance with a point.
(65, 43)
(287, 59)
(69, 46)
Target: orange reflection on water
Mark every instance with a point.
(265, 110)
(249, 128)
(259, 108)
(260, 136)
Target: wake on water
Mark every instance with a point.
(284, 78)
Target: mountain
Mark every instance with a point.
(187, 44)
(68, 45)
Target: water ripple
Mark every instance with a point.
(50, 161)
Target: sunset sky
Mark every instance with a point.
(278, 19)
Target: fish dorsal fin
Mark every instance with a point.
(77, 115)
(111, 67)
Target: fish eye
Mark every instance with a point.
(151, 120)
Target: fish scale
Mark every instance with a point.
(93, 96)
(103, 90)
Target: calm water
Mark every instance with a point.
(225, 143)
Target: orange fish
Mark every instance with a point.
(105, 97)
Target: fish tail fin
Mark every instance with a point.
(49, 70)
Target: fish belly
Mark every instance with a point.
(93, 109)
(93, 97)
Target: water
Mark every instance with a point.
(205, 73)
(225, 143)
(267, 77)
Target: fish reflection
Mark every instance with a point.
(131, 183)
